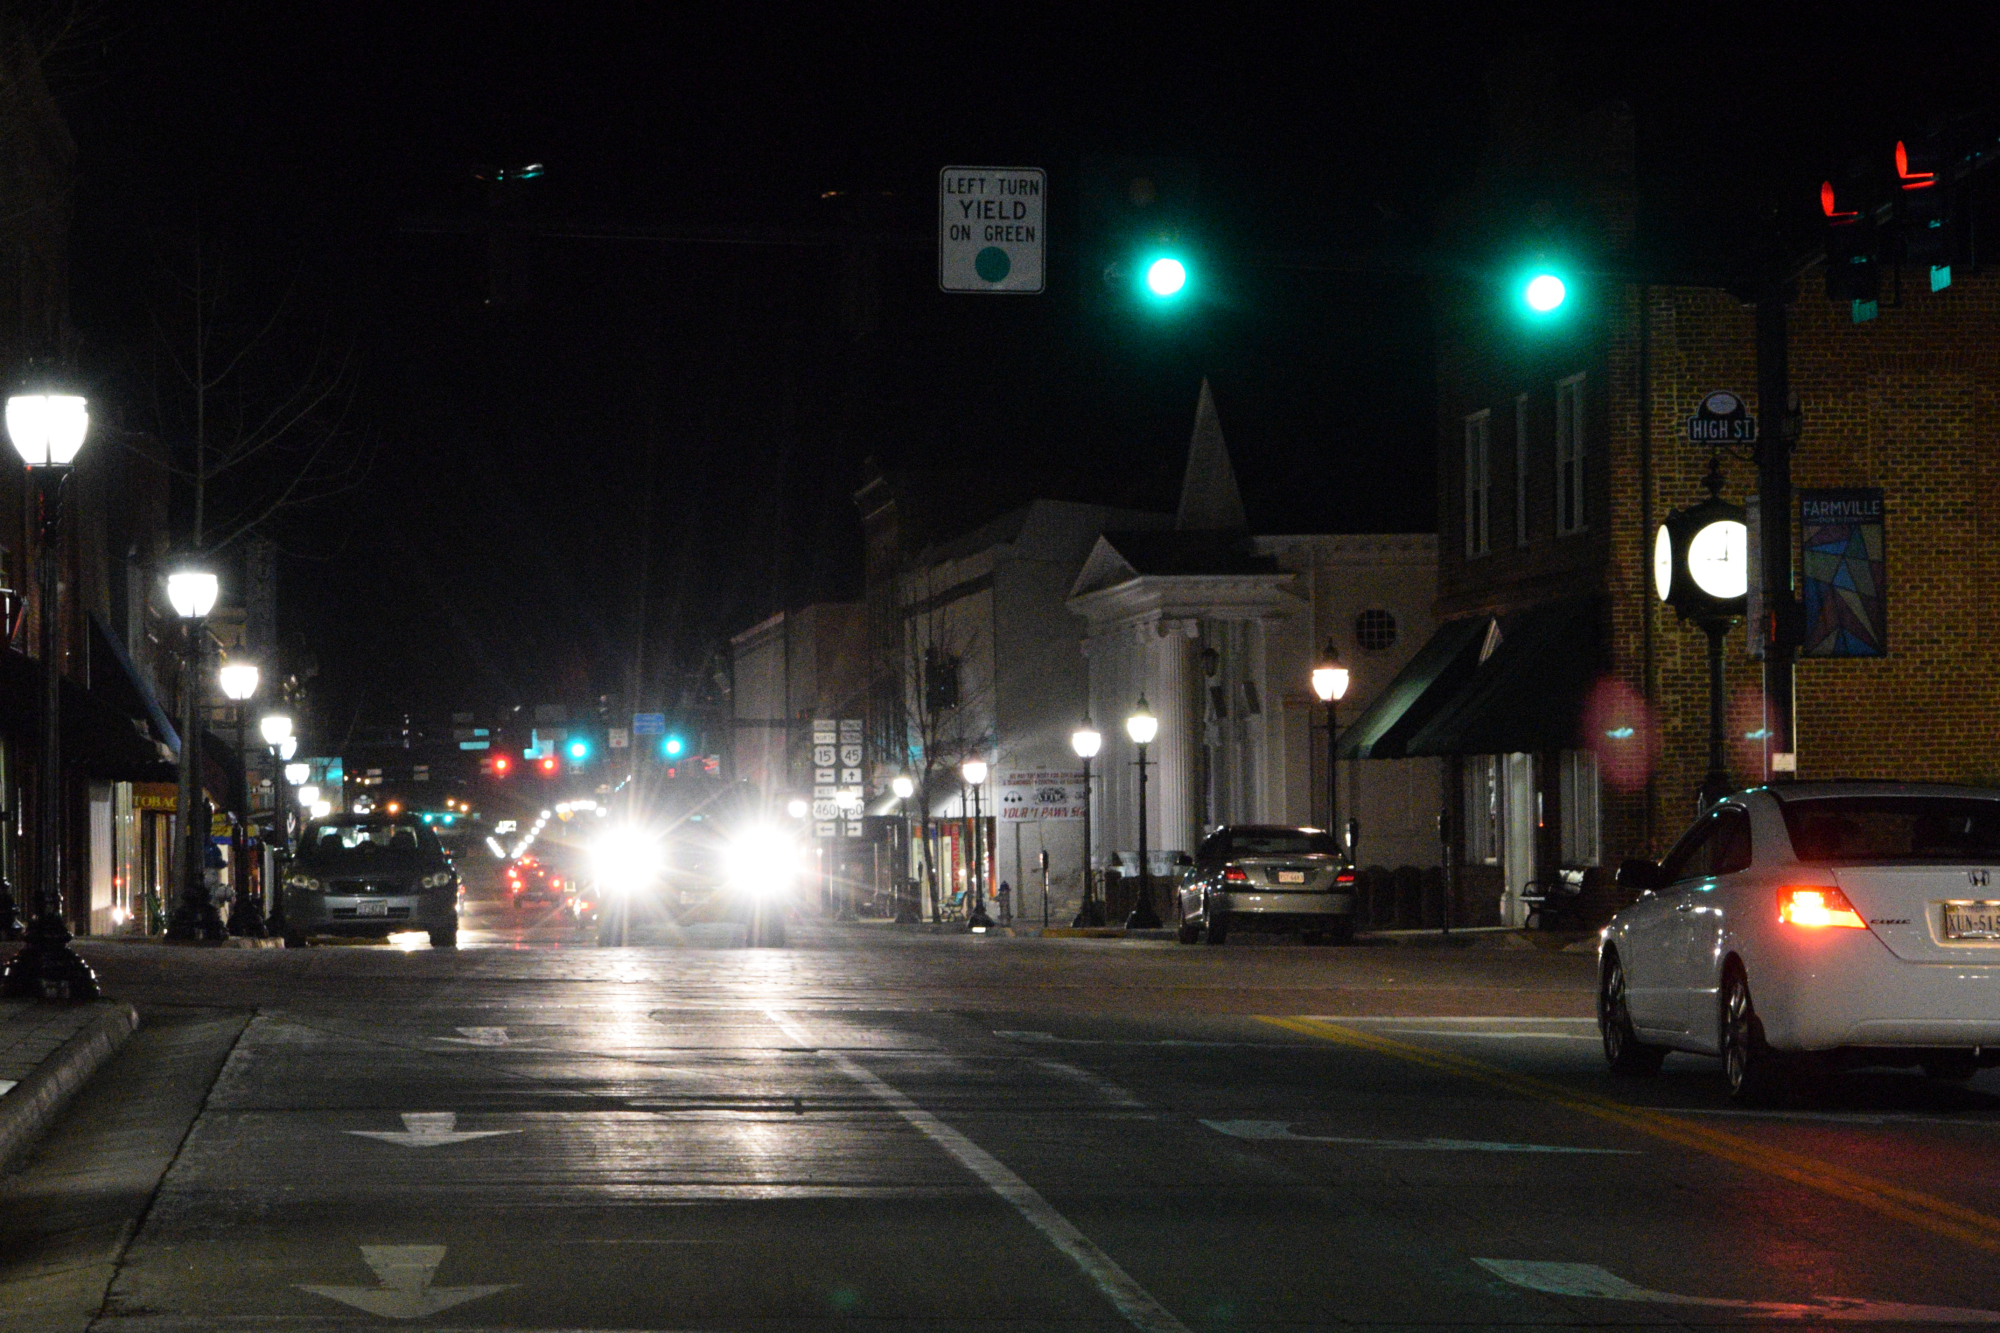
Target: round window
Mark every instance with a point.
(1375, 630)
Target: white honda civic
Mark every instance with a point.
(1813, 925)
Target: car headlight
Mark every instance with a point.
(627, 860)
(305, 883)
(761, 859)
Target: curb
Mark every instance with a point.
(31, 1105)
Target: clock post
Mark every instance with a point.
(1701, 569)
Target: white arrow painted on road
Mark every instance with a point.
(481, 1037)
(405, 1272)
(1590, 1280)
(1267, 1130)
(428, 1129)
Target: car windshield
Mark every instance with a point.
(353, 839)
(1864, 829)
(1281, 842)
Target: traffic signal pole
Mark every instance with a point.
(1781, 613)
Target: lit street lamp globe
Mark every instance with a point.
(974, 772)
(1330, 679)
(308, 795)
(47, 430)
(1142, 726)
(276, 728)
(192, 592)
(902, 786)
(1086, 740)
(296, 774)
(238, 680)
(797, 807)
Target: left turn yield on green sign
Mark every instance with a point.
(991, 232)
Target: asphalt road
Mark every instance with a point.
(885, 1129)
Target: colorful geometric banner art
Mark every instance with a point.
(1846, 574)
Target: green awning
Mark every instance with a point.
(1528, 696)
(1425, 684)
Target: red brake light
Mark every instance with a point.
(1233, 875)
(1815, 906)
(1344, 877)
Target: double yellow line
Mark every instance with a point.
(1939, 1216)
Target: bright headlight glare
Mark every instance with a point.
(627, 859)
(761, 860)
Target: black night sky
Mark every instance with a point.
(656, 358)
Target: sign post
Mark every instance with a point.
(991, 232)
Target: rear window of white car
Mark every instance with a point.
(1860, 830)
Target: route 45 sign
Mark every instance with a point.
(1721, 419)
(991, 236)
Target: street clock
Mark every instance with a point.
(1701, 561)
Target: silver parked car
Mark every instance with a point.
(370, 875)
(1267, 877)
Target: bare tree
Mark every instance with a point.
(945, 712)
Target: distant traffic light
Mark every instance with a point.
(1166, 278)
(548, 765)
(502, 765)
(1544, 293)
(1928, 213)
(1852, 272)
(673, 747)
(579, 749)
(1138, 219)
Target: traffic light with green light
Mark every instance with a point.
(1543, 292)
(1138, 218)
(673, 747)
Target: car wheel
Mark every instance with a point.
(1217, 928)
(1190, 930)
(295, 941)
(1951, 1066)
(445, 939)
(1754, 1070)
(1623, 1050)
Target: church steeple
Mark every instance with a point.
(1210, 501)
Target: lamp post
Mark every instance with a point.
(906, 901)
(246, 914)
(47, 430)
(192, 592)
(974, 773)
(848, 801)
(1086, 740)
(1142, 727)
(1329, 681)
(1700, 568)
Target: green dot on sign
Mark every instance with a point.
(992, 264)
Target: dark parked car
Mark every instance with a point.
(370, 875)
(1267, 877)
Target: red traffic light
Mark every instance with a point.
(549, 764)
(502, 765)
(1829, 206)
(1911, 180)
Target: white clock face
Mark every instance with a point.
(1719, 560)
(1663, 564)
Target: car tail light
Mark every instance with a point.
(1235, 875)
(1817, 905)
(1345, 879)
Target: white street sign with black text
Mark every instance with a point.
(991, 232)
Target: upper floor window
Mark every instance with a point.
(1569, 455)
(1521, 470)
(1478, 482)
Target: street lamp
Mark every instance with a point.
(1086, 740)
(297, 774)
(238, 681)
(192, 591)
(974, 772)
(797, 807)
(1330, 680)
(47, 430)
(1701, 569)
(904, 787)
(1142, 726)
(276, 729)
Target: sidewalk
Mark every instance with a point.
(47, 1053)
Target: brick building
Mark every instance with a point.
(1572, 705)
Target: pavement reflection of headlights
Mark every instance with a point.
(627, 860)
(761, 860)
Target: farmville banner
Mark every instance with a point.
(1846, 574)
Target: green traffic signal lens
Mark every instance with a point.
(1166, 277)
(1545, 293)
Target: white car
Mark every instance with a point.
(1813, 924)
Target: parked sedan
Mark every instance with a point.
(1267, 877)
(1812, 926)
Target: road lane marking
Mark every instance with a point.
(1116, 1095)
(1133, 1301)
(428, 1129)
(1493, 1036)
(1928, 1212)
(1281, 1131)
(1050, 1038)
(405, 1273)
(1840, 1117)
(480, 1037)
(1589, 1280)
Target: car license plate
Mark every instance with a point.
(1291, 877)
(372, 907)
(1972, 921)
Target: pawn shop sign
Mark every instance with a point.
(991, 236)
